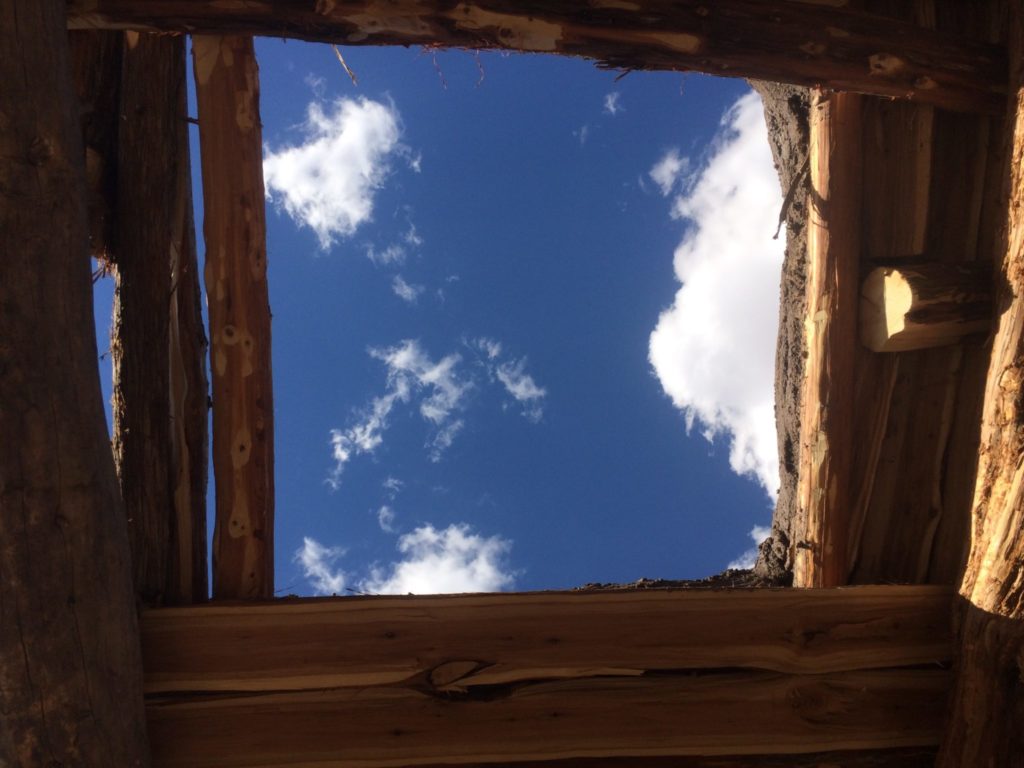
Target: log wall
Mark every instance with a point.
(479, 679)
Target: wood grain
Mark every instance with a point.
(801, 43)
(231, 147)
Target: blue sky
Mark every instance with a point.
(524, 320)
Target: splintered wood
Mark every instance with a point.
(508, 678)
(801, 43)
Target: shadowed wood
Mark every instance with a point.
(463, 679)
(800, 43)
(70, 669)
(987, 708)
(924, 305)
(721, 712)
(231, 147)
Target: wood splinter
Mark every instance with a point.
(923, 306)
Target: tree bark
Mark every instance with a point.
(799, 43)
(148, 209)
(826, 420)
(70, 667)
(96, 68)
(987, 709)
(231, 145)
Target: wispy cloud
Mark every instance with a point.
(386, 519)
(328, 182)
(758, 533)
(714, 349)
(668, 171)
(612, 104)
(444, 561)
(318, 566)
(405, 291)
(522, 387)
(392, 486)
(392, 254)
(411, 373)
(512, 375)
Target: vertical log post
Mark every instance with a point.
(826, 419)
(147, 199)
(987, 708)
(70, 665)
(230, 136)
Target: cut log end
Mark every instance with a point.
(928, 305)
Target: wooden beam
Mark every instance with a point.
(231, 147)
(826, 417)
(154, 189)
(800, 43)
(924, 305)
(70, 668)
(519, 677)
(984, 724)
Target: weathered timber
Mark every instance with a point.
(799, 43)
(154, 183)
(96, 69)
(720, 712)
(530, 677)
(70, 666)
(913, 757)
(501, 639)
(924, 305)
(231, 148)
(987, 707)
(188, 581)
(826, 419)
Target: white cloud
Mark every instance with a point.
(393, 254)
(582, 134)
(611, 103)
(367, 435)
(410, 372)
(512, 375)
(328, 182)
(522, 387)
(317, 561)
(386, 519)
(667, 171)
(437, 562)
(746, 561)
(392, 486)
(405, 291)
(714, 349)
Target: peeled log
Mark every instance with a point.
(826, 418)
(923, 306)
(231, 147)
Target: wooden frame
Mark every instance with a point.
(794, 41)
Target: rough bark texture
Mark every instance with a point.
(147, 199)
(787, 113)
(70, 667)
(231, 146)
(987, 708)
(188, 581)
(799, 43)
(96, 67)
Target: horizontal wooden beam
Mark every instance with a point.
(924, 305)
(546, 676)
(794, 42)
